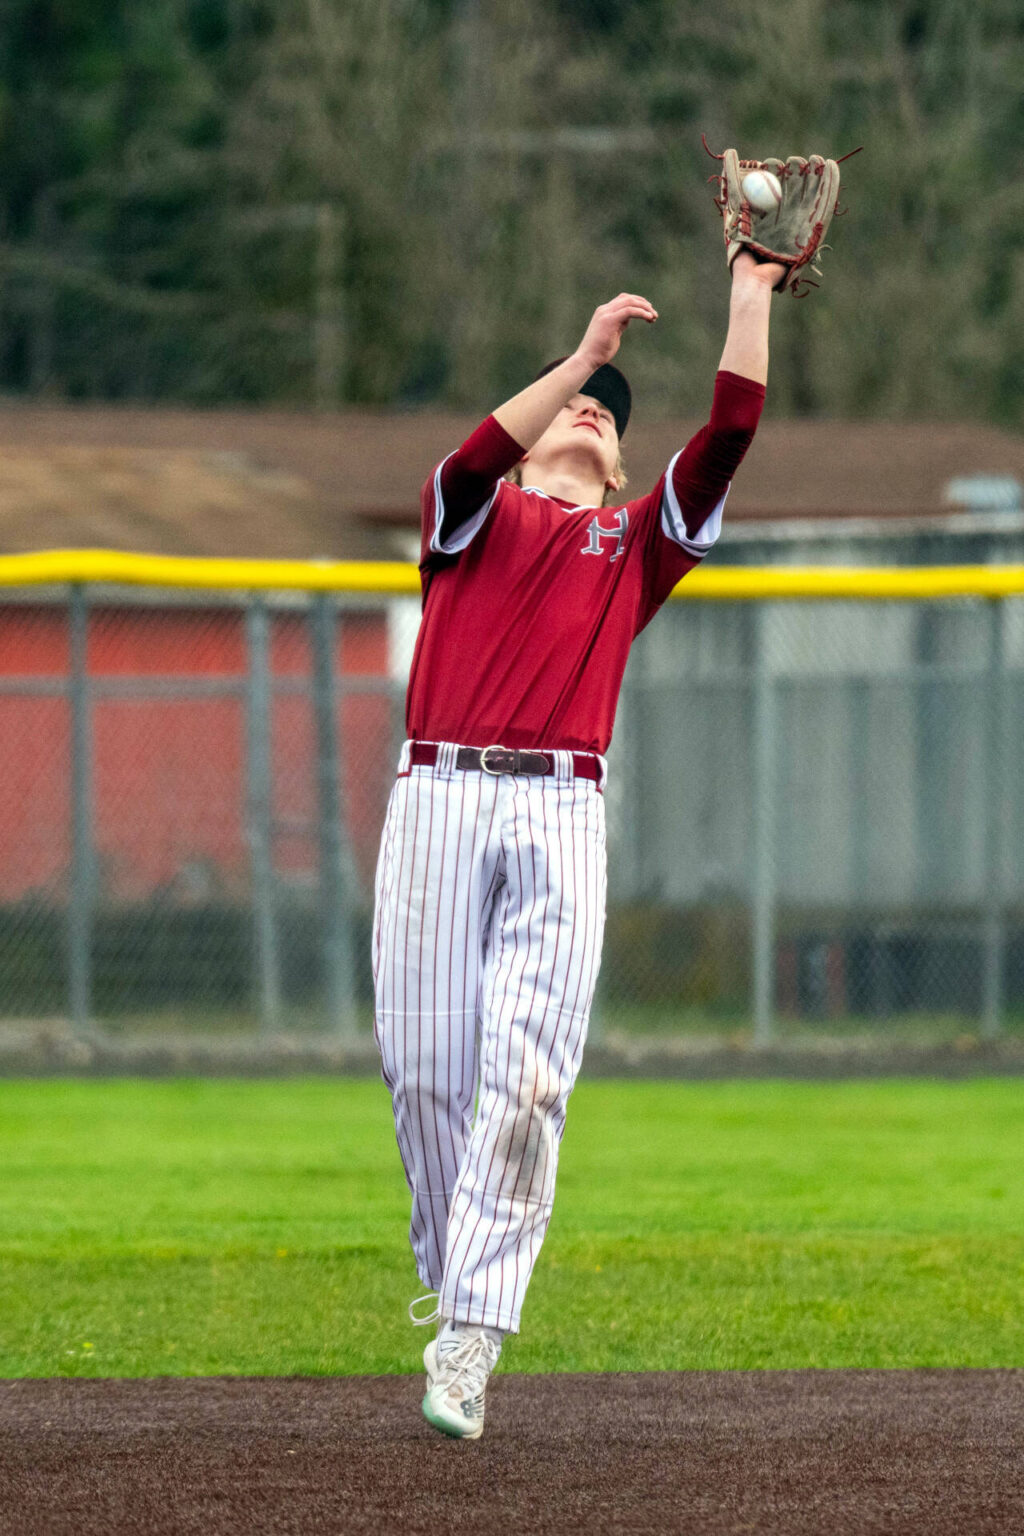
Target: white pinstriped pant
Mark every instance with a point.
(487, 940)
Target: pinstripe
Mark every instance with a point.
(477, 916)
(532, 1220)
(583, 898)
(383, 883)
(406, 1091)
(492, 1007)
(570, 1059)
(473, 1177)
(431, 1169)
(384, 895)
(416, 1087)
(533, 1048)
(551, 972)
(573, 963)
(587, 913)
(450, 1052)
(552, 975)
(521, 874)
(390, 975)
(388, 910)
(543, 1182)
(513, 1108)
(382, 879)
(462, 1046)
(419, 1226)
(467, 1062)
(453, 1053)
(568, 1064)
(487, 1126)
(578, 899)
(425, 1091)
(498, 1188)
(595, 924)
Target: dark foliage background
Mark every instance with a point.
(399, 202)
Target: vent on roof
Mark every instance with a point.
(985, 493)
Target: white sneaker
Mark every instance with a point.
(458, 1363)
(430, 1363)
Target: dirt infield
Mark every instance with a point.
(834, 1452)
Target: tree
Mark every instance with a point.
(384, 202)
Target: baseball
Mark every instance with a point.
(762, 190)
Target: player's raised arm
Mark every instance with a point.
(527, 416)
(776, 214)
(700, 476)
(746, 342)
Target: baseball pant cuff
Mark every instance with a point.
(474, 1317)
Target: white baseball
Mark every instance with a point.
(762, 190)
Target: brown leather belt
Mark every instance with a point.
(506, 760)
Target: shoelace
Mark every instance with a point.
(434, 1316)
(470, 1362)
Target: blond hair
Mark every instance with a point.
(610, 499)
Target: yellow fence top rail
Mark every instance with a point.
(121, 569)
(392, 578)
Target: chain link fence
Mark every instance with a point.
(819, 822)
(815, 818)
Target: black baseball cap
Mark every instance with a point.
(609, 386)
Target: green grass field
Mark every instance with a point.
(199, 1227)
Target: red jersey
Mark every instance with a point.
(530, 604)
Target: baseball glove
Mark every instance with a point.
(793, 230)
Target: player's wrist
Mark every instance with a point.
(747, 271)
(584, 361)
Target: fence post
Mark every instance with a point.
(260, 812)
(336, 910)
(994, 922)
(83, 873)
(763, 761)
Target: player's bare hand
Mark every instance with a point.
(604, 333)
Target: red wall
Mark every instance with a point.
(169, 774)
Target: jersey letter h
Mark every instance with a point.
(597, 533)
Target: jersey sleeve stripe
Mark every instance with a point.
(673, 523)
(466, 531)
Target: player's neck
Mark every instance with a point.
(580, 490)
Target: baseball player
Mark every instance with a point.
(490, 891)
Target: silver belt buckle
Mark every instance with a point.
(495, 747)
